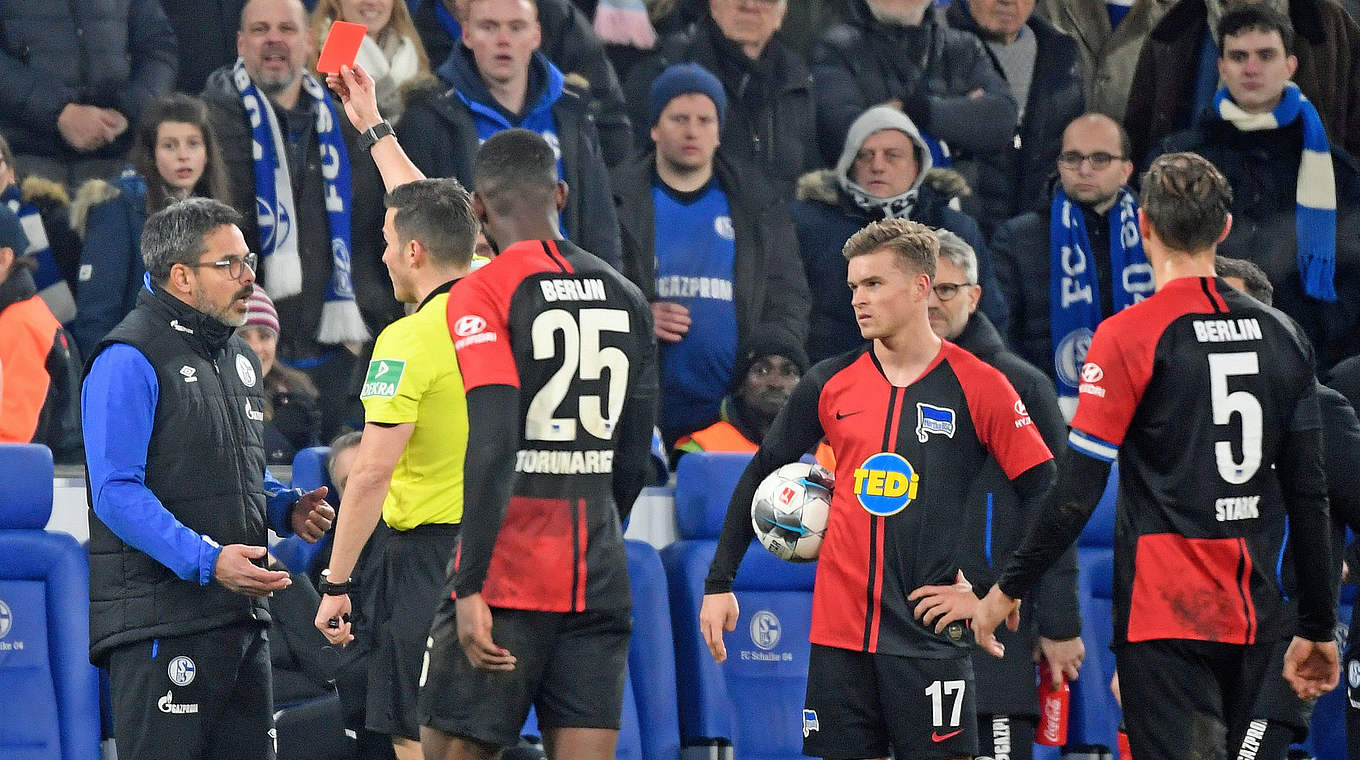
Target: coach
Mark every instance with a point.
(173, 418)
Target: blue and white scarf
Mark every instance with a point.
(275, 208)
(1074, 293)
(1315, 192)
(52, 287)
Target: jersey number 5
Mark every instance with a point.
(582, 357)
(1225, 403)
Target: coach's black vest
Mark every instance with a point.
(205, 463)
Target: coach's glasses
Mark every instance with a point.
(945, 291)
(1071, 159)
(233, 265)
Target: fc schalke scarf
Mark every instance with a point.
(1315, 192)
(1074, 293)
(276, 211)
(52, 288)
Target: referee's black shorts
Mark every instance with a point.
(204, 695)
(568, 665)
(411, 578)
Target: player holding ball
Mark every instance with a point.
(911, 419)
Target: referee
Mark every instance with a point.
(409, 465)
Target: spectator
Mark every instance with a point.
(313, 215)
(1040, 65)
(38, 372)
(391, 51)
(803, 24)
(76, 75)
(1176, 75)
(1085, 247)
(948, 85)
(43, 209)
(710, 245)
(182, 501)
(1296, 201)
(1109, 37)
(568, 42)
(1006, 705)
(884, 171)
(771, 119)
(292, 421)
(174, 155)
(206, 32)
(766, 374)
(500, 81)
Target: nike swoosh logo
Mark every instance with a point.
(840, 416)
(936, 737)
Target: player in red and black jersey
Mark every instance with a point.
(557, 355)
(1208, 399)
(911, 419)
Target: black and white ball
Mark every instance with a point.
(790, 510)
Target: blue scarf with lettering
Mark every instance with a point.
(1315, 191)
(52, 287)
(1074, 293)
(275, 209)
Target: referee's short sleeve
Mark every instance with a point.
(397, 377)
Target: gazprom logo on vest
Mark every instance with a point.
(885, 484)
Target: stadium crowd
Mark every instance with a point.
(717, 154)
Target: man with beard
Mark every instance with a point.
(173, 416)
(768, 370)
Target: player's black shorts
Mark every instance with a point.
(861, 705)
(568, 665)
(204, 695)
(412, 578)
(1006, 736)
(1200, 698)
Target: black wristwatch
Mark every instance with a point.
(373, 134)
(334, 589)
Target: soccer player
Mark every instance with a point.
(911, 419)
(558, 359)
(1208, 399)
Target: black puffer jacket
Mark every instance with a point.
(1015, 179)
(117, 54)
(440, 136)
(569, 41)
(1007, 684)
(930, 68)
(300, 315)
(771, 293)
(771, 115)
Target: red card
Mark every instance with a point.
(342, 46)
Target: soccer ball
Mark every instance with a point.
(790, 509)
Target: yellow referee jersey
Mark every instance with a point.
(414, 378)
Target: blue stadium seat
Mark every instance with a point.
(49, 691)
(1327, 730)
(309, 472)
(766, 670)
(703, 484)
(651, 657)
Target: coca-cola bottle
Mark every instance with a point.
(1053, 704)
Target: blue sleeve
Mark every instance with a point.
(279, 503)
(118, 410)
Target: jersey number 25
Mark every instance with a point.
(582, 357)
